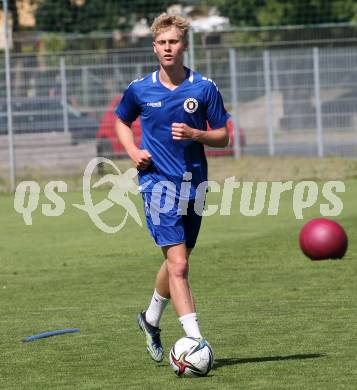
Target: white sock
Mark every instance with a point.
(190, 325)
(156, 308)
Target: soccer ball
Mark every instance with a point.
(322, 238)
(191, 357)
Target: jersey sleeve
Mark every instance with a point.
(216, 113)
(128, 109)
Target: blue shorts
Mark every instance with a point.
(171, 227)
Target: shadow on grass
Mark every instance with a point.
(233, 361)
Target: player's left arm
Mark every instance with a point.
(216, 116)
(218, 138)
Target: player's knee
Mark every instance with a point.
(178, 268)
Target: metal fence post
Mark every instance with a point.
(275, 74)
(234, 99)
(208, 63)
(186, 59)
(85, 85)
(269, 103)
(191, 48)
(10, 131)
(139, 70)
(319, 129)
(64, 94)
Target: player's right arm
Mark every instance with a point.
(141, 158)
(127, 111)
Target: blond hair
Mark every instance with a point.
(164, 21)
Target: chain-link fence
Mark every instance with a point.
(232, 36)
(300, 101)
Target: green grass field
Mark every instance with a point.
(275, 319)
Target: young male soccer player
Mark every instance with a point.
(175, 105)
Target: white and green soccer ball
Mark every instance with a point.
(191, 357)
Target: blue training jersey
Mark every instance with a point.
(194, 102)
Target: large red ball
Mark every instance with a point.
(322, 239)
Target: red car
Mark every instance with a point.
(109, 146)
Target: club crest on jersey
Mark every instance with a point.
(190, 105)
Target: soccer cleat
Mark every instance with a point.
(153, 342)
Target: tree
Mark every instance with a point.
(94, 15)
(261, 13)
(56, 15)
(13, 4)
(15, 15)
